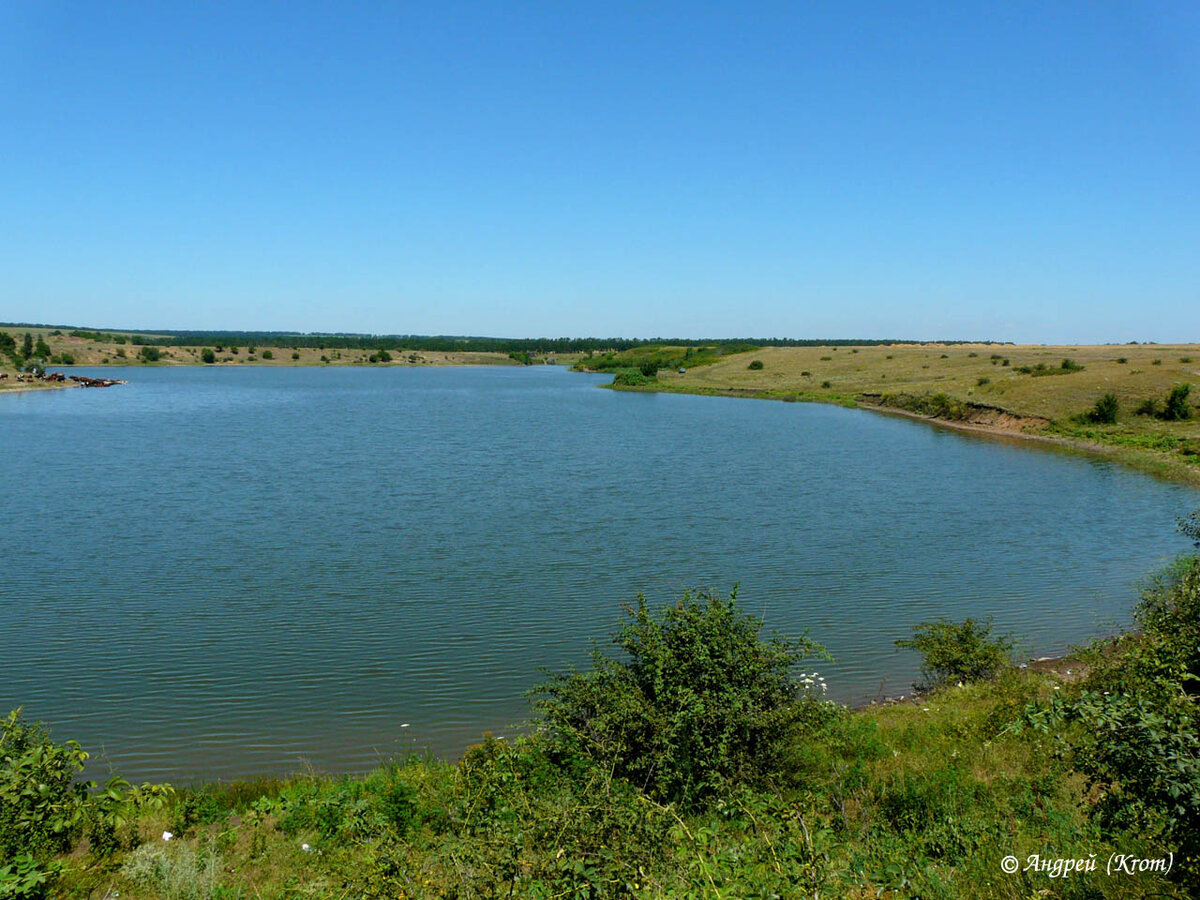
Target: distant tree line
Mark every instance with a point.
(455, 343)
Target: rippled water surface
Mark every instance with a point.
(218, 572)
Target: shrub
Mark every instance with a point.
(1177, 407)
(1141, 735)
(1147, 408)
(207, 356)
(149, 354)
(295, 355)
(806, 374)
(1121, 360)
(1157, 362)
(175, 870)
(631, 379)
(1069, 365)
(1185, 359)
(267, 354)
(826, 384)
(698, 701)
(41, 799)
(24, 878)
(1105, 411)
(940, 406)
(121, 352)
(755, 365)
(958, 651)
(983, 381)
(649, 369)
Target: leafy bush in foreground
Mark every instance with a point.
(41, 799)
(699, 701)
(958, 651)
(1141, 722)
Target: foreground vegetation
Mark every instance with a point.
(1133, 402)
(699, 760)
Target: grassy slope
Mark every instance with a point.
(1168, 448)
(916, 799)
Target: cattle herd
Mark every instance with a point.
(81, 380)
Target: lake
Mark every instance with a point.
(220, 572)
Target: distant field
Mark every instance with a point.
(118, 348)
(1044, 402)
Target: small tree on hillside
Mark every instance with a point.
(1177, 407)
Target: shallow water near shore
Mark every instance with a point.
(213, 573)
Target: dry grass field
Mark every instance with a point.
(995, 384)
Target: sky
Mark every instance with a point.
(1007, 171)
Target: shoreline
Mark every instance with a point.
(1150, 462)
(31, 388)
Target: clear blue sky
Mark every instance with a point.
(1013, 171)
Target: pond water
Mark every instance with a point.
(212, 573)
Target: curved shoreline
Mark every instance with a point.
(1159, 464)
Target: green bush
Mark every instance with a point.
(25, 878)
(983, 381)
(1177, 407)
(267, 354)
(631, 379)
(1140, 742)
(1105, 411)
(149, 354)
(940, 406)
(42, 800)
(649, 369)
(757, 364)
(295, 355)
(698, 701)
(208, 356)
(954, 652)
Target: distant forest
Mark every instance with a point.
(447, 343)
